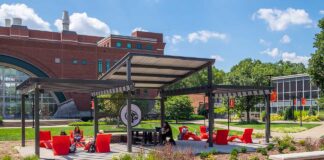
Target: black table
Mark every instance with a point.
(145, 136)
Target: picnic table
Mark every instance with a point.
(146, 136)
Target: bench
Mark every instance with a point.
(299, 156)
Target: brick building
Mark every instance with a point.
(33, 53)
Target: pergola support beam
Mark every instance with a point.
(129, 110)
(210, 107)
(267, 129)
(95, 116)
(23, 130)
(36, 113)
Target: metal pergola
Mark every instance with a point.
(138, 70)
(160, 71)
(39, 85)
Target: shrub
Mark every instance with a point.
(234, 154)
(311, 112)
(288, 114)
(123, 157)
(1, 120)
(203, 155)
(196, 117)
(213, 151)
(292, 148)
(302, 142)
(270, 146)
(253, 121)
(254, 158)
(281, 149)
(33, 157)
(243, 149)
(220, 110)
(276, 117)
(309, 145)
(280, 112)
(262, 116)
(263, 151)
(6, 157)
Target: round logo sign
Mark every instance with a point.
(136, 115)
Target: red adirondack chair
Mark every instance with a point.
(61, 145)
(203, 132)
(103, 143)
(221, 137)
(44, 136)
(188, 135)
(82, 139)
(245, 138)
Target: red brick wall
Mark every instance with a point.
(40, 48)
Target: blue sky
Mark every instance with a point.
(227, 30)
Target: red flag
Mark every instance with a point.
(232, 103)
(92, 104)
(303, 101)
(295, 101)
(273, 97)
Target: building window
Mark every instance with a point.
(149, 47)
(57, 60)
(129, 45)
(118, 44)
(145, 92)
(137, 92)
(99, 66)
(84, 61)
(139, 46)
(107, 64)
(74, 61)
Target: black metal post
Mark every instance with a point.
(36, 112)
(267, 131)
(162, 109)
(95, 116)
(23, 130)
(129, 118)
(33, 108)
(228, 114)
(210, 106)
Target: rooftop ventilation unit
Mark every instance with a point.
(17, 21)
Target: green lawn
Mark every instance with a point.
(276, 127)
(13, 134)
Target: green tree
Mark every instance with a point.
(111, 104)
(316, 62)
(178, 107)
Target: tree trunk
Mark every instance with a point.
(118, 121)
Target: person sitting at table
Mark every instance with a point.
(77, 136)
(167, 132)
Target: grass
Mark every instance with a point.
(14, 134)
(276, 127)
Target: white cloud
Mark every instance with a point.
(218, 58)
(271, 52)
(83, 24)
(115, 32)
(27, 14)
(285, 39)
(321, 11)
(139, 29)
(293, 57)
(174, 39)
(264, 42)
(205, 35)
(279, 20)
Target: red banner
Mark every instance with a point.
(295, 101)
(303, 101)
(92, 104)
(273, 96)
(232, 103)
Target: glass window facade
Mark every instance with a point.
(119, 44)
(84, 61)
(298, 86)
(74, 61)
(10, 100)
(139, 46)
(107, 64)
(149, 47)
(129, 45)
(99, 66)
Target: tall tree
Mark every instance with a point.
(316, 62)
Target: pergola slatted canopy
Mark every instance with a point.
(94, 87)
(155, 71)
(224, 91)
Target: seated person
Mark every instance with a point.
(101, 132)
(167, 132)
(63, 133)
(77, 136)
